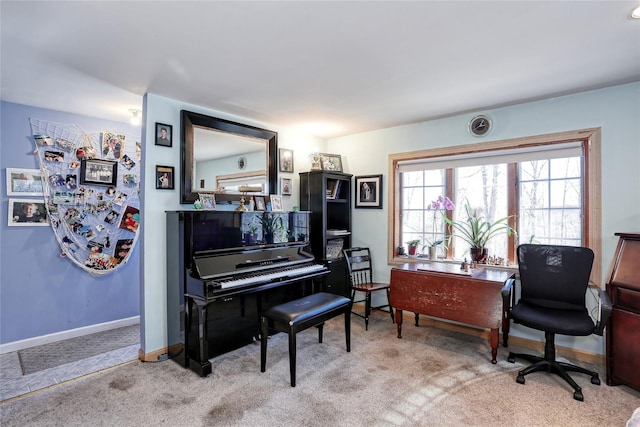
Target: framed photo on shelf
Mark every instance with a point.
(369, 191)
(285, 186)
(331, 162)
(27, 212)
(276, 203)
(165, 177)
(208, 201)
(164, 135)
(24, 182)
(260, 204)
(285, 160)
(98, 172)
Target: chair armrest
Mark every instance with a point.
(507, 293)
(605, 310)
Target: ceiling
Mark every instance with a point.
(352, 65)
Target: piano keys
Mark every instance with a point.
(219, 280)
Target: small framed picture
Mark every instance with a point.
(164, 134)
(285, 186)
(276, 203)
(24, 182)
(208, 201)
(286, 160)
(260, 203)
(98, 172)
(27, 212)
(165, 177)
(369, 191)
(331, 162)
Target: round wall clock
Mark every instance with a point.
(480, 125)
(242, 163)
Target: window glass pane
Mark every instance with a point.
(434, 177)
(534, 194)
(566, 223)
(410, 179)
(565, 193)
(565, 168)
(538, 169)
(412, 198)
(533, 226)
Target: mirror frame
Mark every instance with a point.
(189, 119)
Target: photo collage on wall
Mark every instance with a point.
(91, 190)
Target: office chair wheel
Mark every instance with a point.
(595, 380)
(511, 358)
(520, 378)
(577, 395)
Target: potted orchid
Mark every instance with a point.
(438, 206)
(477, 231)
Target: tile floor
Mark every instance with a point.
(13, 383)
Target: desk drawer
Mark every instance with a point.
(627, 298)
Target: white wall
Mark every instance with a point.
(616, 110)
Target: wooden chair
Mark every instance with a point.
(361, 279)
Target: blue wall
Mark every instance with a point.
(40, 292)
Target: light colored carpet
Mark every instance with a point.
(59, 353)
(430, 377)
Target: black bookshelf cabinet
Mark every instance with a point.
(327, 195)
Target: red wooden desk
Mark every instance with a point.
(448, 292)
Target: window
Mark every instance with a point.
(547, 186)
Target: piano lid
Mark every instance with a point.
(215, 265)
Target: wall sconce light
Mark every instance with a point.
(136, 117)
(635, 13)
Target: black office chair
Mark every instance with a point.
(361, 279)
(553, 284)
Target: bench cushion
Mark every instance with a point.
(305, 308)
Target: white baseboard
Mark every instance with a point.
(65, 335)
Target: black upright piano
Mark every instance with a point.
(222, 271)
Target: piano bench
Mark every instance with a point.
(297, 315)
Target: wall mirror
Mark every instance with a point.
(213, 149)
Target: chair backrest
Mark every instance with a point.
(359, 265)
(554, 276)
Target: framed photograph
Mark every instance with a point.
(369, 191)
(27, 212)
(24, 182)
(164, 134)
(98, 172)
(331, 162)
(165, 178)
(208, 201)
(285, 186)
(286, 160)
(260, 203)
(276, 203)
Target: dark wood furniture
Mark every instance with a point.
(623, 331)
(298, 315)
(360, 270)
(327, 195)
(448, 292)
(219, 280)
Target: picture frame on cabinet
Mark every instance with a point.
(260, 204)
(331, 162)
(369, 191)
(164, 135)
(208, 201)
(24, 182)
(285, 186)
(27, 212)
(276, 203)
(285, 160)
